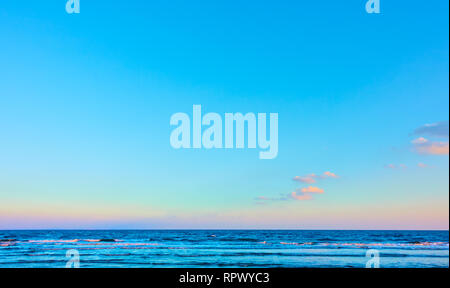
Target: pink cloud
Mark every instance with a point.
(312, 178)
(436, 148)
(309, 179)
(305, 193)
(424, 146)
(420, 141)
(422, 165)
(301, 193)
(312, 189)
(329, 174)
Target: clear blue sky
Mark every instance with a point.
(85, 103)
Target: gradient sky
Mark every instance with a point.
(86, 99)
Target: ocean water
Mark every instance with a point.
(224, 248)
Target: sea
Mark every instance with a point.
(223, 248)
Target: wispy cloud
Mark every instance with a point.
(395, 166)
(422, 165)
(301, 197)
(313, 178)
(309, 179)
(264, 199)
(329, 174)
(438, 129)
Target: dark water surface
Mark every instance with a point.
(223, 248)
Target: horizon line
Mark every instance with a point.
(214, 229)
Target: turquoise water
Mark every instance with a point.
(224, 248)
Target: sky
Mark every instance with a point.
(86, 101)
